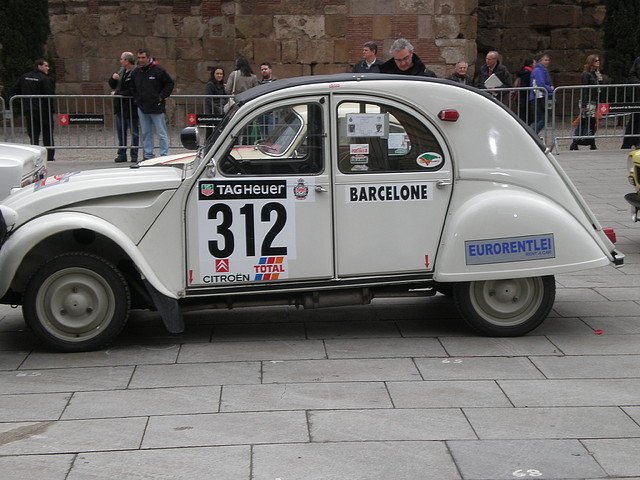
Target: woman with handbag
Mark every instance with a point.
(589, 118)
(241, 79)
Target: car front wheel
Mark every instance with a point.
(76, 302)
(508, 307)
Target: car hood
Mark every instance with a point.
(68, 189)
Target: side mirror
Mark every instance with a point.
(189, 138)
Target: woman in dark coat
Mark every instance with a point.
(588, 123)
(215, 86)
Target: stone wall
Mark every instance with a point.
(568, 30)
(299, 37)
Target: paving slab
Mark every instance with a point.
(252, 351)
(342, 329)
(562, 422)
(348, 370)
(579, 393)
(196, 374)
(588, 366)
(34, 407)
(64, 380)
(597, 344)
(247, 428)
(396, 424)
(143, 402)
(36, 467)
(114, 356)
(509, 459)
(492, 347)
(354, 461)
(384, 347)
(442, 394)
(615, 325)
(12, 360)
(71, 436)
(301, 396)
(619, 456)
(477, 368)
(172, 464)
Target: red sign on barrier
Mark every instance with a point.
(192, 119)
(63, 119)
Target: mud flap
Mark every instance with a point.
(168, 308)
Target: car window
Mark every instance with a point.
(287, 140)
(382, 138)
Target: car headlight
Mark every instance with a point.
(630, 164)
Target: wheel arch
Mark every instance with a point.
(44, 237)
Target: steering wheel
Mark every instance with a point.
(235, 165)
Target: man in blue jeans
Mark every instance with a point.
(151, 85)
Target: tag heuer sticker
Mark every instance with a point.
(432, 161)
(206, 189)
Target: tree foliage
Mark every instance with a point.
(621, 38)
(24, 30)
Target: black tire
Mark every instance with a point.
(505, 308)
(76, 302)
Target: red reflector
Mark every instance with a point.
(448, 115)
(611, 235)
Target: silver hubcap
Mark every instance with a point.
(75, 304)
(507, 302)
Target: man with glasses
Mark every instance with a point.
(493, 66)
(38, 111)
(404, 61)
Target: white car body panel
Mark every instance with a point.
(20, 165)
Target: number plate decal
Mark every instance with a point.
(246, 229)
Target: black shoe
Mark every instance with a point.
(120, 159)
(134, 160)
(593, 147)
(573, 146)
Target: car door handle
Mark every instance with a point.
(320, 188)
(443, 183)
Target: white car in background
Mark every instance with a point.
(21, 165)
(313, 191)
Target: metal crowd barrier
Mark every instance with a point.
(598, 112)
(88, 121)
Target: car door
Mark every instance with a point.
(265, 215)
(393, 182)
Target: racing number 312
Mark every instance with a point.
(247, 211)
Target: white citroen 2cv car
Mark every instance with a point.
(316, 191)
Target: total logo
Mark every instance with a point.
(270, 268)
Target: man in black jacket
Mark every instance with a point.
(38, 111)
(369, 62)
(151, 85)
(125, 109)
(404, 61)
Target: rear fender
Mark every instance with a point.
(515, 233)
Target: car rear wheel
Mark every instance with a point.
(505, 308)
(76, 302)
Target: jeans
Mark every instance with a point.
(147, 122)
(540, 107)
(123, 124)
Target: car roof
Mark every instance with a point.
(281, 84)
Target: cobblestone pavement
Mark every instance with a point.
(399, 389)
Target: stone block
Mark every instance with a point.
(289, 51)
(163, 26)
(381, 27)
(189, 49)
(426, 27)
(341, 50)
(267, 50)
(571, 38)
(565, 15)
(468, 26)
(522, 38)
(335, 26)
(299, 26)
(193, 27)
(136, 24)
(315, 51)
(415, 7)
(446, 26)
(451, 7)
(69, 45)
(110, 26)
(254, 26)
(289, 71)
